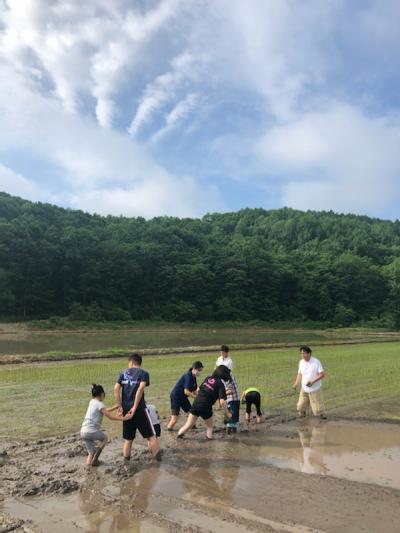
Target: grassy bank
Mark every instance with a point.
(362, 380)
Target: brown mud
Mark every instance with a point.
(295, 476)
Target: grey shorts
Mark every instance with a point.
(90, 437)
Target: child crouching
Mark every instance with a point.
(91, 432)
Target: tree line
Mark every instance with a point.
(254, 264)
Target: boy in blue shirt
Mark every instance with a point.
(129, 394)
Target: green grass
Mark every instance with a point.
(51, 398)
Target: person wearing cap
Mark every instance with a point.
(185, 388)
(309, 378)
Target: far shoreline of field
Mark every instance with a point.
(51, 357)
(327, 337)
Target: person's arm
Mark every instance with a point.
(224, 406)
(113, 408)
(222, 400)
(186, 385)
(138, 397)
(297, 381)
(320, 375)
(117, 396)
(106, 412)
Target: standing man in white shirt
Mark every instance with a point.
(224, 358)
(309, 378)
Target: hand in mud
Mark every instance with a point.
(309, 384)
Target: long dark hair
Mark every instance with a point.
(222, 372)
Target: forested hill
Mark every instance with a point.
(254, 264)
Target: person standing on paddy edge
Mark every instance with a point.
(309, 378)
(129, 394)
(224, 358)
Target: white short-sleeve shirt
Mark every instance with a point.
(309, 371)
(94, 416)
(227, 362)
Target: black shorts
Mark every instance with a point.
(251, 398)
(141, 420)
(178, 403)
(203, 410)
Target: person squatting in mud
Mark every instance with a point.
(252, 396)
(129, 394)
(211, 390)
(91, 432)
(309, 378)
(185, 388)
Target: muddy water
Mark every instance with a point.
(227, 485)
(358, 452)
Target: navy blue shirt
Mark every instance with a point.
(130, 380)
(187, 381)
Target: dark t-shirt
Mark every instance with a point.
(211, 390)
(130, 380)
(187, 381)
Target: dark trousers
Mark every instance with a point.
(234, 408)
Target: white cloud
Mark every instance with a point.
(336, 158)
(178, 115)
(82, 49)
(164, 89)
(17, 185)
(153, 197)
(100, 169)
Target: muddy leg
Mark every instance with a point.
(209, 426)
(317, 404)
(190, 422)
(127, 449)
(172, 422)
(153, 446)
(303, 403)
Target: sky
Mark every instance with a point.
(186, 107)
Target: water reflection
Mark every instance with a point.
(312, 440)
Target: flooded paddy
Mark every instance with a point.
(19, 339)
(24, 341)
(259, 480)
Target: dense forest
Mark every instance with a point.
(250, 265)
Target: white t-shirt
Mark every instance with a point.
(309, 371)
(153, 414)
(94, 416)
(225, 361)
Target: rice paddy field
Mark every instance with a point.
(45, 399)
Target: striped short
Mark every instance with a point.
(141, 420)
